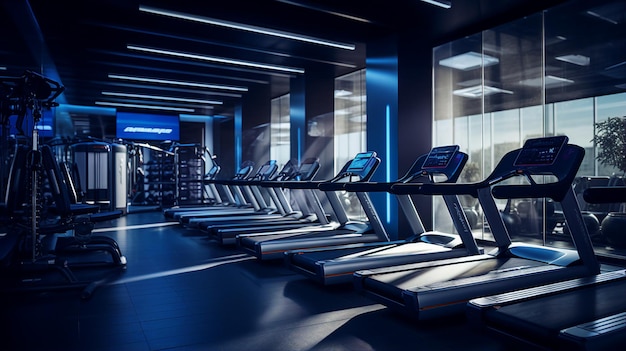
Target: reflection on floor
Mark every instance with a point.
(181, 291)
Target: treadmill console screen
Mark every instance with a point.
(243, 170)
(305, 168)
(288, 168)
(360, 161)
(540, 151)
(264, 169)
(440, 157)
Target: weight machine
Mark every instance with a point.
(35, 219)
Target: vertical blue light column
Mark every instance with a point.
(297, 116)
(382, 115)
(238, 134)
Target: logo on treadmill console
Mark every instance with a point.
(148, 130)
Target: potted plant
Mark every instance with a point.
(610, 140)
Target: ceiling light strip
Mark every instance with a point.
(149, 107)
(334, 13)
(440, 3)
(249, 28)
(157, 97)
(176, 82)
(604, 18)
(216, 59)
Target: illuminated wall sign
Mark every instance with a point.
(145, 126)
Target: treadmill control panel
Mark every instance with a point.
(360, 162)
(308, 169)
(439, 157)
(540, 151)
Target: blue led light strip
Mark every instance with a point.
(388, 156)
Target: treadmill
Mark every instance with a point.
(288, 170)
(242, 173)
(272, 245)
(243, 190)
(337, 264)
(547, 167)
(310, 211)
(581, 314)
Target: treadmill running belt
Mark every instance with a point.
(443, 274)
(540, 320)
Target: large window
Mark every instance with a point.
(280, 130)
(350, 126)
(350, 117)
(553, 73)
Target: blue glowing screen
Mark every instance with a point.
(145, 126)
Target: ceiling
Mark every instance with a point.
(91, 46)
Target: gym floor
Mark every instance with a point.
(182, 291)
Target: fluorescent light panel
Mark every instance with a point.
(479, 91)
(576, 59)
(215, 59)
(157, 97)
(176, 82)
(468, 61)
(245, 27)
(149, 107)
(604, 18)
(194, 118)
(334, 13)
(342, 93)
(549, 81)
(440, 3)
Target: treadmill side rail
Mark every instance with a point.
(606, 333)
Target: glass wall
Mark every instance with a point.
(350, 117)
(279, 130)
(558, 72)
(350, 126)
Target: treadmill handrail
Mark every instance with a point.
(416, 173)
(297, 176)
(343, 173)
(568, 159)
(563, 168)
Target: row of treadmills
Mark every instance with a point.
(540, 296)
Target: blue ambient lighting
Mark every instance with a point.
(388, 156)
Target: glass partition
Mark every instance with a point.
(350, 128)
(558, 72)
(280, 140)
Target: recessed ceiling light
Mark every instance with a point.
(468, 61)
(246, 27)
(194, 118)
(342, 92)
(602, 17)
(148, 107)
(440, 3)
(479, 91)
(317, 8)
(579, 60)
(176, 82)
(549, 81)
(216, 59)
(157, 97)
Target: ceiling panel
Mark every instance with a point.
(81, 44)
